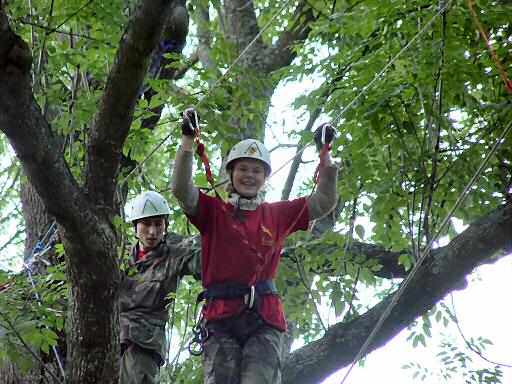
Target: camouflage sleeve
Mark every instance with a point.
(187, 253)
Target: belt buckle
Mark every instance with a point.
(249, 297)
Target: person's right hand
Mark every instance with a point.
(189, 122)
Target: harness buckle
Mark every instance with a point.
(201, 334)
(249, 297)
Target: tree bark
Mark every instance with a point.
(84, 219)
(484, 241)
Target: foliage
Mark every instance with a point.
(33, 313)
(408, 145)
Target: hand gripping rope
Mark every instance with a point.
(200, 149)
(217, 83)
(326, 147)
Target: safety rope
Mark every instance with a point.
(426, 252)
(460, 199)
(43, 245)
(365, 89)
(200, 149)
(497, 62)
(217, 83)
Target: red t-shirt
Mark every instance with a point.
(245, 252)
(141, 254)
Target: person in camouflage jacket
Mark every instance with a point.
(156, 262)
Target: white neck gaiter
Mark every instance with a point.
(246, 204)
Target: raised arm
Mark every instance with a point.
(182, 187)
(324, 199)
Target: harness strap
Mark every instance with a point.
(234, 290)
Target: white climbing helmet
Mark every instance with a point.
(252, 149)
(148, 204)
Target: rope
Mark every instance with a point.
(494, 56)
(39, 249)
(365, 89)
(217, 82)
(425, 253)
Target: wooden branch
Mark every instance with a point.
(484, 241)
(242, 27)
(297, 160)
(115, 111)
(29, 133)
(281, 54)
(173, 41)
(204, 36)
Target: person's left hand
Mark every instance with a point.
(324, 134)
(190, 122)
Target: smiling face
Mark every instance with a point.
(248, 176)
(150, 231)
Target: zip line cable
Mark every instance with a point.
(338, 116)
(426, 252)
(215, 85)
(335, 121)
(460, 199)
(391, 62)
(344, 110)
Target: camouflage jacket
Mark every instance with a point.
(143, 297)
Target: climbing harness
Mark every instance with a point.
(250, 295)
(200, 335)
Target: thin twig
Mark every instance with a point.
(307, 284)
(353, 295)
(27, 347)
(54, 30)
(466, 341)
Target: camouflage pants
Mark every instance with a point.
(242, 350)
(138, 366)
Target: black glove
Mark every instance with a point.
(324, 134)
(190, 122)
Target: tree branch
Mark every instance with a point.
(204, 36)
(115, 112)
(281, 54)
(30, 134)
(484, 241)
(242, 27)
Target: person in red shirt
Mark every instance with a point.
(241, 243)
